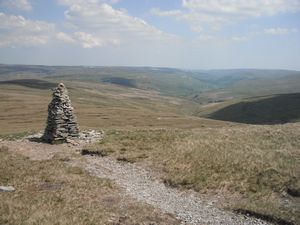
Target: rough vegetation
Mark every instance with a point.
(50, 192)
(252, 165)
(152, 117)
(175, 82)
(263, 110)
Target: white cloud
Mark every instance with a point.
(61, 36)
(90, 24)
(197, 29)
(18, 31)
(25, 40)
(213, 14)
(243, 8)
(245, 37)
(104, 22)
(72, 2)
(12, 22)
(114, 1)
(23, 5)
(220, 40)
(240, 38)
(206, 38)
(279, 31)
(88, 40)
(158, 12)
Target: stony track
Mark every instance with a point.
(137, 183)
(142, 186)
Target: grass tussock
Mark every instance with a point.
(16, 136)
(49, 192)
(257, 163)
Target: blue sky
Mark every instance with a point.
(191, 34)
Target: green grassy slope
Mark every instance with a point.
(171, 82)
(201, 86)
(272, 109)
(23, 106)
(31, 83)
(167, 81)
(252, 166)
(145, 90)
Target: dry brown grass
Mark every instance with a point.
(49, 192)
(24, 109)
(257, 163)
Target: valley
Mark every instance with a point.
(233, 134)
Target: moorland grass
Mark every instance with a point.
(97, 106)
(274, 109)
(50, 192)
(256, 163)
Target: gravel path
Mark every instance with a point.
(140, 185)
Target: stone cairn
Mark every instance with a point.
(61, 122)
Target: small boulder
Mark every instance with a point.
(293, 191)
(7, 189)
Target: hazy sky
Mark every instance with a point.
(192, 34)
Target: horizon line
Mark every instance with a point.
(158, 67)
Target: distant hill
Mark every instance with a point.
(31, 83)
(238, 95)
(167, 81)
(249, 83)
(264, 110)
(188, 125)
(202, 86)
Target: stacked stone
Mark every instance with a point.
(61, 122)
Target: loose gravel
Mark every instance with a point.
(138, 184)
(142, 186)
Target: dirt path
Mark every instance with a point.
(138, 184)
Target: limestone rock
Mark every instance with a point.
(61, 122)
(6, 188)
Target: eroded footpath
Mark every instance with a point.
(136, 183)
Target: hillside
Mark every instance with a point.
(271, 109)
(201, 86)
(255, 86)
(24, 102)
(167, 81)
(186, 126)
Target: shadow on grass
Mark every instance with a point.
(36, 139)
(264, 217)
(31, 83)
(120, 81)
(277, 109)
